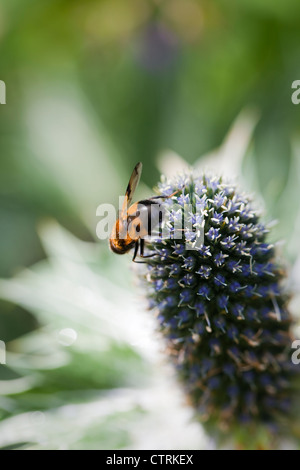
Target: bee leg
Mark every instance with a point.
(136, 248)
(140, 244)
(164, 197)
(142, 247)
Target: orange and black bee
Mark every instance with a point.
(137, 221)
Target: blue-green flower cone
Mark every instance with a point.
(219, 299)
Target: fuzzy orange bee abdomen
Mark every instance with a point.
(120, 241)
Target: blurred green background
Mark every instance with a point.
(93, 87)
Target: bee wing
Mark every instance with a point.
(131, 187)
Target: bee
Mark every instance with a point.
(136, 222)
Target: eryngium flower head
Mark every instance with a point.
(220, 304)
